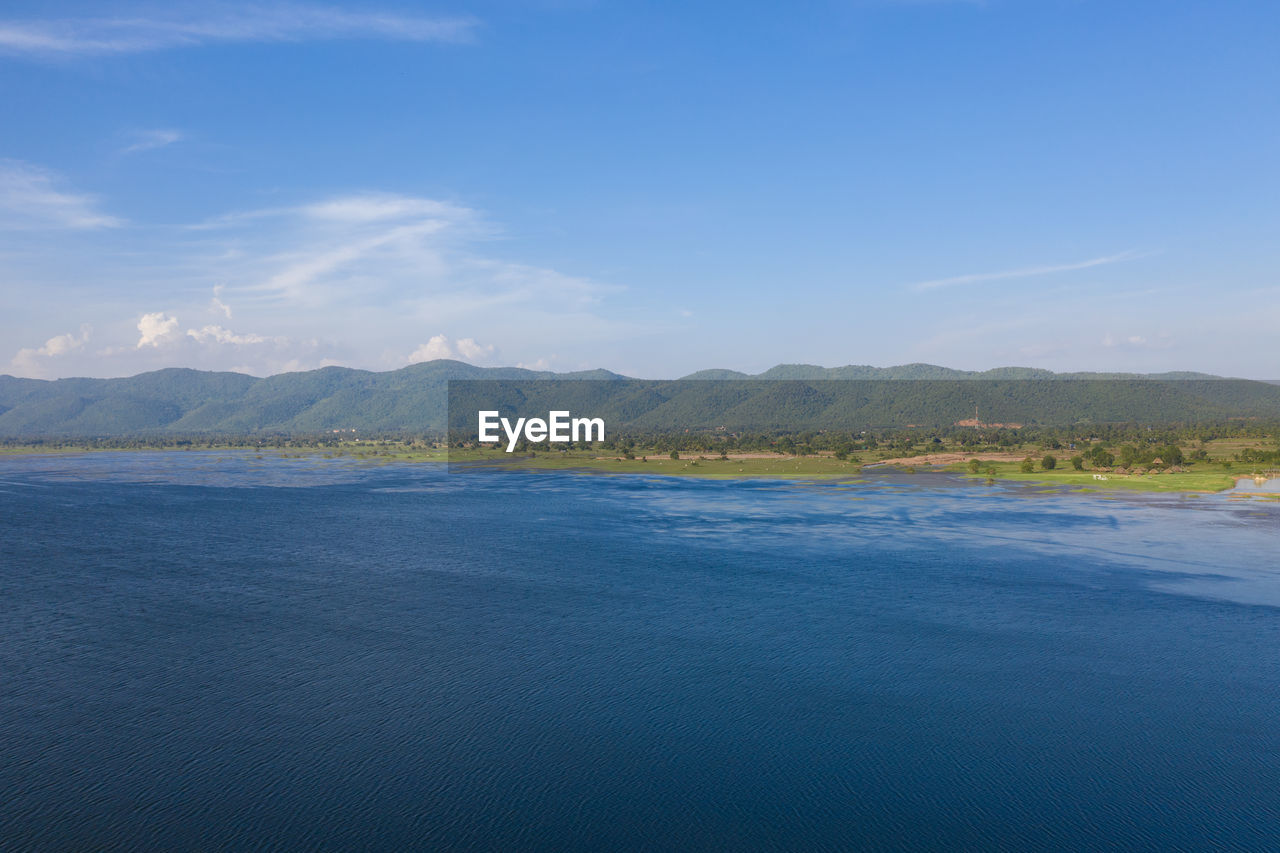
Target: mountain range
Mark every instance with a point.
(414, 399)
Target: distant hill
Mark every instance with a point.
(414, 399)
(927, 372)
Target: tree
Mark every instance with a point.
(974, 466)
(1077, 462)
(1049, 462)
(1100, 456)
(1027, 466)
(675, 454)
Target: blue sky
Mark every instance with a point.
(653, 188)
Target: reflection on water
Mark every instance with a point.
(1258, 485)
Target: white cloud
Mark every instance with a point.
(1026, 272)
(31, 198)
(147, 140)
(438, 346)
(27, 362)
(472, 351)
(162, 343)
(156, 329)
(225, 23)
(61, 344)
(159, 329)
(219, 335)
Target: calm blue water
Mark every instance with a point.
(214, 651)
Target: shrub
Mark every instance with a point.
(1049, 462)
(1027, 466)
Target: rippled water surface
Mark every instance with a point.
(203, 650)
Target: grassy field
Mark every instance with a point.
(1223, 449)
(1204, 477)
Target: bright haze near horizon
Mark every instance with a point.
(649, 188)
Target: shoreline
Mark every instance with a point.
(744, 466)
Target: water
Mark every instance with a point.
(216, 651)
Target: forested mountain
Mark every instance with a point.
(182, 401)
(415, 399)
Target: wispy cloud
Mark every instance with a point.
(377, 207)
(239, 23)
(307, 275)
(1026, 272)
(381, 247)
(31, 197)
(346, 211)
(147, 140)
(217, 304)
(368, 279)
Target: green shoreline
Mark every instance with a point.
(1209, 478)
(827, 468)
